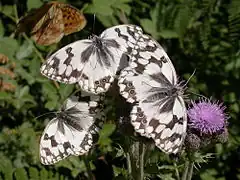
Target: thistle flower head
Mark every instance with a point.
(207, 117)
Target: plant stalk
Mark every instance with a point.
(89, 171)
(137, 154)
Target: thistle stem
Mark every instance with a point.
(190, 171)
(129, 166)
(142, 149)
(176, 171)
(89, 172)
(137, 153)
(186, 166)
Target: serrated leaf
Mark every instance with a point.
(20, 174)
(44, 174)
(8, 46)
(6, 167)
(25, 50)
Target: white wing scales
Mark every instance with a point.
(70, 133)
(90, 63)
(150, 82)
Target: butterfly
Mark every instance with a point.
(49, 23)
(71, 131)
(150, 83)
(92, 63)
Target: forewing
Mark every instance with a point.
(50, 29)
(59, 141)
(28, 22)
(65, 65)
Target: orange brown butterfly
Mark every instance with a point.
(49, 23)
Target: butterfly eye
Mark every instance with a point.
(97, 82)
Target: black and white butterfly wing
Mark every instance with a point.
(150, 82)
(70, 133)
(90, 63)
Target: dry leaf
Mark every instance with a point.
(3, 59)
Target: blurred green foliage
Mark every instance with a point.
(202, 35)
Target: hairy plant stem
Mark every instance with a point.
(129, 165)
(136, 165)
(89, 171)
(176, 171)
(188, 168)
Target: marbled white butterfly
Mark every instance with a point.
(92, 63)
(150, 83)
(70, 132)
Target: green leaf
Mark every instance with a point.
(52, 104)
(25, 50)
(8, 46)
(148, 26)
(5, 96)
(25, 75)
(168, 34)
(20, 174)
(107, 130)
(34, 4)
(99, 8)
(44, 174)
(23, 91)
(2, 30)
(7, 10)
(65, 90)
(6, 167)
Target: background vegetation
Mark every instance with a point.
(202, 35)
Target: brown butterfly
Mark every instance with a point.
(49, 23)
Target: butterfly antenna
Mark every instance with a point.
(94, 20)
(55, 112)
(189, 78)
(199, 95)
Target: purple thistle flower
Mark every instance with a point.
(207, 117)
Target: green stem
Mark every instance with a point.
(136, 153)
(129, 166)
(176, 171)
(190, 170)
(188, 167)
(141, 160)
(89, 171)
(184, 176)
